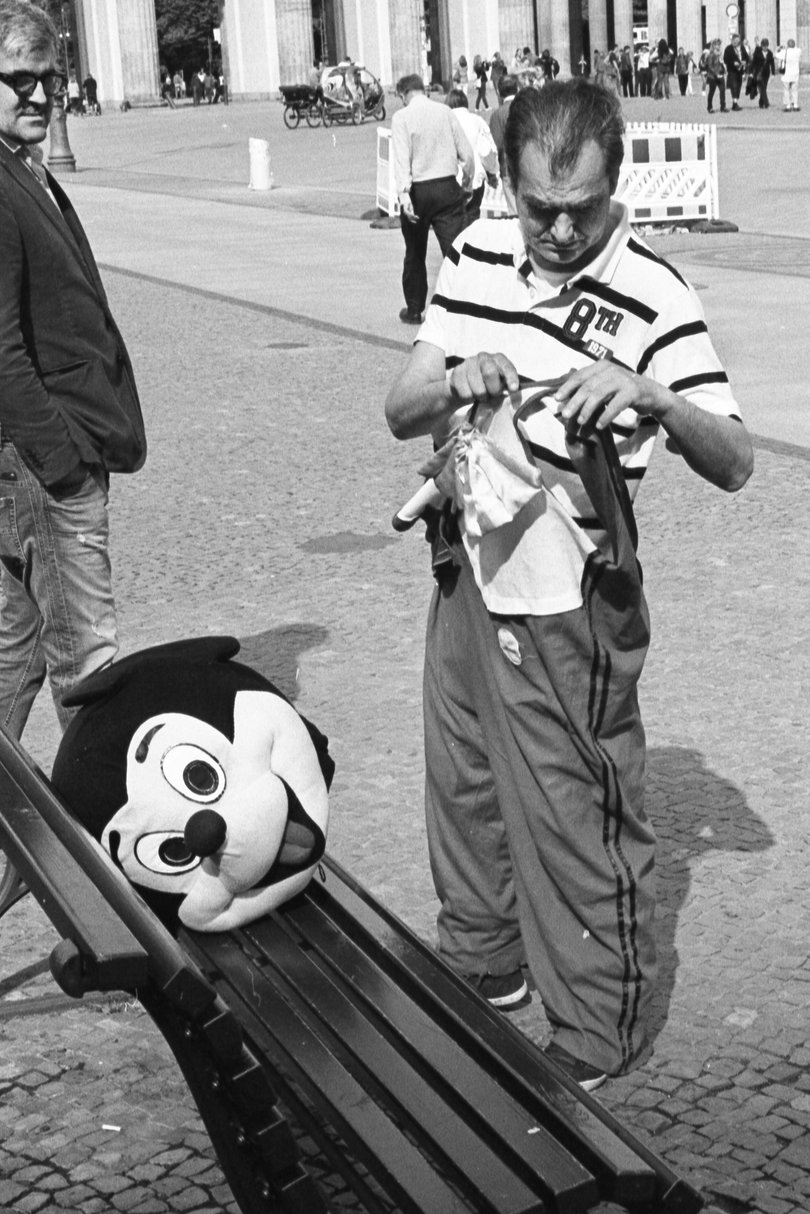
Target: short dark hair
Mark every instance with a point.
(561, 118)
(410, 84)
(457, 99)
(507, 86)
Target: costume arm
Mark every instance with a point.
(26, 412)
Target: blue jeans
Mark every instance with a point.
(57, 614)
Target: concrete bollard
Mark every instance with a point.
(261, 177)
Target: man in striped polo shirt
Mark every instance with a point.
(556, 345)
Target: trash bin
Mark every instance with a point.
(261, 176)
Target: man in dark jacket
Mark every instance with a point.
(735, 57)
(762, 68)
(69, 410)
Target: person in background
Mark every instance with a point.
(496, 74)
(167, 90)
(428, 147)
(69, 409)
(663, 69)
(507, 91)
(484, 150)
(682, 70)
(643, 71)
(715, 76)
(626, 72)
(74, 95)
(735, 61)
(790, 75)
(548, 66)
(90, 87)
(480, 69)
(762, 68)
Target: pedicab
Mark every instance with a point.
(346, 93)
(301, 101)
(350, 94)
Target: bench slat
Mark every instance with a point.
(293, 1047)
(626, 1172)
(474, 1095)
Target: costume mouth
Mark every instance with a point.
(302, 844)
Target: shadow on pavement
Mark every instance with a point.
(276, 652)
(694, 812)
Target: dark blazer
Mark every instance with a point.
(735, 60)
(67, 391)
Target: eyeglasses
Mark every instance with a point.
(25, 83)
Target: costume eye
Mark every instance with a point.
(193, 773)
(165, 852)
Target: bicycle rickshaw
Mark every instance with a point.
(347, 93)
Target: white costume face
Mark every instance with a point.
(207, 819)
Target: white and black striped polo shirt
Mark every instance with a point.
(628, 304)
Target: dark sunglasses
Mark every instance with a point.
(25, 83)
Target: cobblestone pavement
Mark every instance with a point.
(264, 512)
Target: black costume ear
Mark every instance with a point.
(199, 649)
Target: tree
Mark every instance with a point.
(185, 32)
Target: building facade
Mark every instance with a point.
(267, 43)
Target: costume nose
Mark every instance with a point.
(205, 832)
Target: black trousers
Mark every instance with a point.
(438, 204)
(714, 84)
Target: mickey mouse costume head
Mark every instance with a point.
(200, 779)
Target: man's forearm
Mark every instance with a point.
(413, 409)
(718, 448)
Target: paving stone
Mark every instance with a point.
(72, 1197)
(187, 1199)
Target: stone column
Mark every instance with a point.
(137, 38)
(623, 23)
(687, 19)
(787, 22)
(598, 27)
(554, 31)
(406, 37)
(515, 27)
(295, 46)
(760, 21)
(803, 39)
(656, 20)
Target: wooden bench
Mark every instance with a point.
(331, 1012)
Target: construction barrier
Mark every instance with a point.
(387, 200)
(669, 173)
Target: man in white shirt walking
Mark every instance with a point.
(428, 146)
(791, 56)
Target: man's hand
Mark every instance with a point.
(595, 395)
(718, 448)
(483, 376)
(407, 211)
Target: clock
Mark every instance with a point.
(732, 10)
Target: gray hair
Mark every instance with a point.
(560, 119)
(26, 29)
